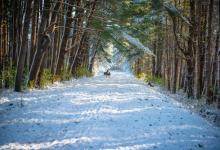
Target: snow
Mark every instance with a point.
(137, 43)
(120, 112)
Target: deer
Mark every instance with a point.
(107, 74)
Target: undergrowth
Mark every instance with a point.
(46, 78)
(82, 72)
(150, 78)
(8, 76)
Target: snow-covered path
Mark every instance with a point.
(98, 113)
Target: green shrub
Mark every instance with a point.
(140, 76)
(156, 80)
(25, 78)
(31, 84)
(56, 78)
(82, 72)
(150, 78)
(8, 75)
(65, 75)
(46, 78)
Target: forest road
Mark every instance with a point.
(120, 112)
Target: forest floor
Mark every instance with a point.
(120, 112)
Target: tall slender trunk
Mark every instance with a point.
(82, 37)
(180, 79)
(207, 54)
(44, 39)
(154, 59)
(218, 63)
(92, 63)
(55, 51)
(197, 85)
(15, 14)
(63, 49)
(189, 53)
(175, 71)
(34, 30)
(23, 51)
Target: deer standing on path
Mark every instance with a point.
(107, 74)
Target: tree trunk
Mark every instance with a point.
(197, 85)
(34, 30)
(44, 39)
(218, 63)
(175, 71)
(189, 78)
(207, 55)
(23, 51)
(67, 31)
(189, 53)
(92, 61)
(82, 37)
(55, 47)
(91, 66)
(154, 59)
